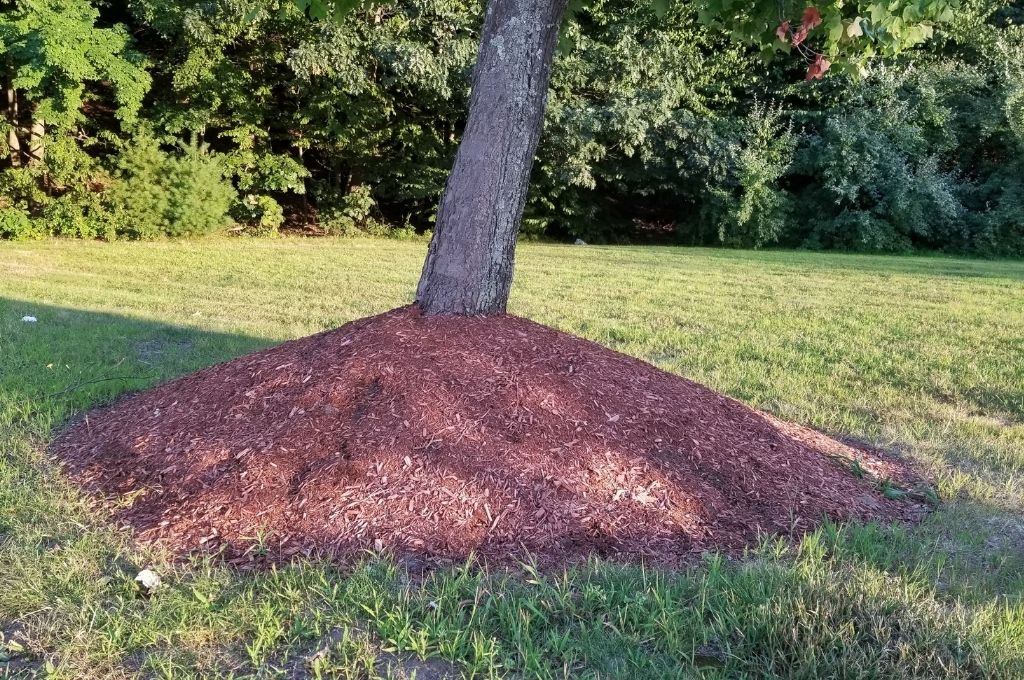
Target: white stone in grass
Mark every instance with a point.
(148, 580)
(29, 319)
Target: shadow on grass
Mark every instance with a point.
(69, 360)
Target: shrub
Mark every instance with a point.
(261, 214)
(159, 193)
(351, 216)
(997, 224)
(20, 187)
(875, 186)
(745, 204)
(16, 224)
(78, 216)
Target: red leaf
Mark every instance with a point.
(818, 67)
(782, 31)
(800, 36)
(811, 19)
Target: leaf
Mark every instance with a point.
(892, 492)
(818, 67)
(661, 8)
(800, 36)
(317, 10)
(855, 30)
(783, 31)
(811, 18)
(836, 30)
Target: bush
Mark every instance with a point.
(77, 216)
(16, 224)
(351, 216)
(261, 214)
(159, 193)
(875, 186)
(745, 204)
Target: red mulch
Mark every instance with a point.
(445, 436)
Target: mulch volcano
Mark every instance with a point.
(441, 437)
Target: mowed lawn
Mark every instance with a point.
(920, 355)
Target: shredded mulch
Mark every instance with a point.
(441, 437)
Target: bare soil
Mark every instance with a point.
(440, 437)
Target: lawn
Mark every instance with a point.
(924, 356)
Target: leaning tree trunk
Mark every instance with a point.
(470, 261)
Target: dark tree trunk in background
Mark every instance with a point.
(13, 141)
(471, 257)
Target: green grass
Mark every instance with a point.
(921, 355)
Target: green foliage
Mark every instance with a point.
(659, 126)
(174, 194)
(997, 220)
(352, 215)
(20, 189)
(78, 217)
(626, 102)
(830, 31)
(874, 186)
(58, 59)
(17, 225)
(746, 202)
(261, 214)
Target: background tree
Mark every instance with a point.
(652, 131)
(471, 258)
(55, 59)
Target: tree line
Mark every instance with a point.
(186, 117)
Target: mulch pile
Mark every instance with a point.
(438, 437)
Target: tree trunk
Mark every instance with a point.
(13, 141)
(37, 142)
(471, 257)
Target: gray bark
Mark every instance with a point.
(37, 142)
(472, 254)
(13, 141)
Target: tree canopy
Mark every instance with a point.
(658, 128)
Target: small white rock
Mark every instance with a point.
(580, 242)
(29, 319)
(148, 579)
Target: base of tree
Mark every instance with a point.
(438, 437)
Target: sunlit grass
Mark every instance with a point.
(920, 355)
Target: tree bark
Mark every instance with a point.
(471, 257)
(13, 141)
(37, 142)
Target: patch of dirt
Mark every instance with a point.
(391, 665)
(16, 657)
(438, 437)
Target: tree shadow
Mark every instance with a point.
(68, 360)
